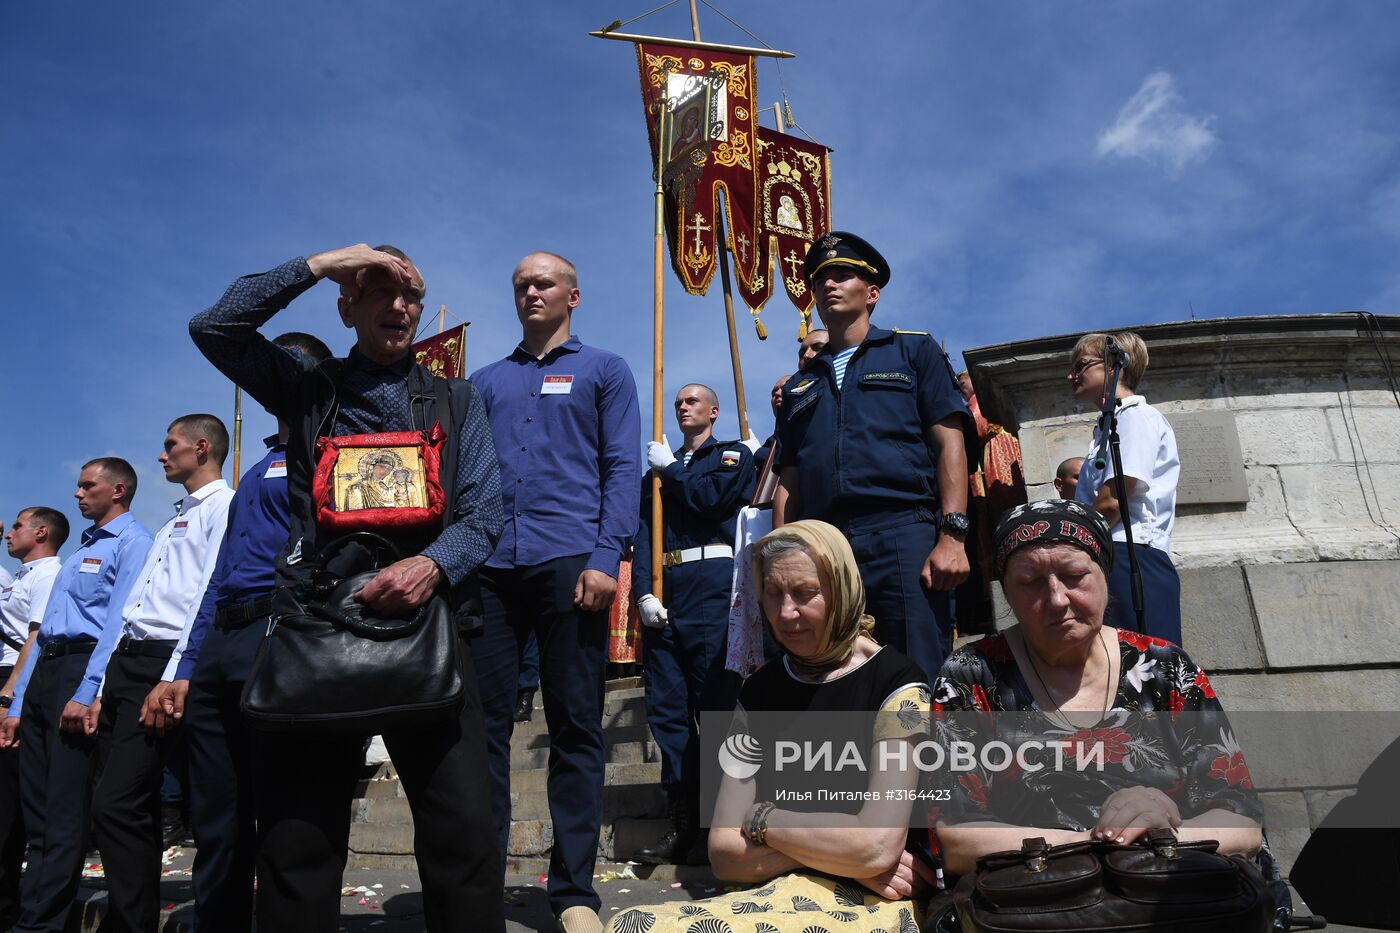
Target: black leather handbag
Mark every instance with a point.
(330, 666)
(1159, 884)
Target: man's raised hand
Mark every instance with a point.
(347, 266)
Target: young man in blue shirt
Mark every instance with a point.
(565, 421)
(211, 665)
(54, 712)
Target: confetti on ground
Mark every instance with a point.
(347, 891)
(675, 884)
(624, 890)
(544, 879)
(379, 885)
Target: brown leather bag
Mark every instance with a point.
(1159, 884)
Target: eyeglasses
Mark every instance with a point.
(1083, 364)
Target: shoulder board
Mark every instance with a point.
(916, 333)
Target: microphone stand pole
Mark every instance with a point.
(1108, 428)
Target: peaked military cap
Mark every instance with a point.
(846, 249)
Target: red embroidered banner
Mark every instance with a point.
(444, 354)
(794, 196)
(708, 144)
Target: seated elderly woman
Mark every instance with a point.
(819, 863)
(1075, 677)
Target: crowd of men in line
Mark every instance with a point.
(139, 637)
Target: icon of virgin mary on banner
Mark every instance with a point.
(794, 196)
(708, 145)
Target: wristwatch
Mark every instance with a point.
(955, 522)
(5, 702)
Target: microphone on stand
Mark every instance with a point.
(1114, 358)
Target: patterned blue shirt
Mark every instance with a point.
(91, 589)
(247, 567)
(371, 398)
(569, 436)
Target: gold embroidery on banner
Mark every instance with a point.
(734, 152)
(697, 64)
(796, 284)
(736, 76)
(699, 257)
(658, 66)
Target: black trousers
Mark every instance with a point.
(126, 800)
(55, 778)
(220, 748)
(573, 654)
(11, 829)
(304, 785)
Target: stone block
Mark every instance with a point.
(1257, 533)
(1217, 624)
(1321, 802)
(1285, 435)
(388, 839)
(531, 837)
(1359, 690)
(1286, 822)
(1347, 495)
(1330, 614)
(1311, 750)
(1044, 446)
(1372, 432)
(1304, 384)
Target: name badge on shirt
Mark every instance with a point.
(180, 529)
(275, 469)
(557, 385)
(90, 565)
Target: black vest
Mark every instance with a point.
(428, 395)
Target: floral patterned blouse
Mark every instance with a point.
(1186, 748)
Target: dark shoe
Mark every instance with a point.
(524, 705)
(675, 847)
(174, 827)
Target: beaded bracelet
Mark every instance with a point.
(758, 823)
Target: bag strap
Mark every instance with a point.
(367, 539)
(447, 472)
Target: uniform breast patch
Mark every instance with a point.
(730, 458)
(890, 376)
(802, 386)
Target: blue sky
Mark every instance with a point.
(1028, 168)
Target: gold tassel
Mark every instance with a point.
(758, 326)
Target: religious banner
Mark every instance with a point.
(794, 196)
(444, 354)
(708, 145)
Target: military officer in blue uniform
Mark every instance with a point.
(872, 441)
(704, 484)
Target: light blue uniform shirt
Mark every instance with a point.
(91, 589)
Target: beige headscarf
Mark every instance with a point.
(836, 565)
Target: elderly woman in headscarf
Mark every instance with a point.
(1076, 679)
(848, 861)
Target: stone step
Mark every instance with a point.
(630, 752)
(631, 790)
(617, 840)
(526, 735)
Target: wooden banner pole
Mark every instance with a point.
(658, 318)
(237, 434)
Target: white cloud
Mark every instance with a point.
(1152, 126)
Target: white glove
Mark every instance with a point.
(659, 455)
(752, 443)
(654, 615)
